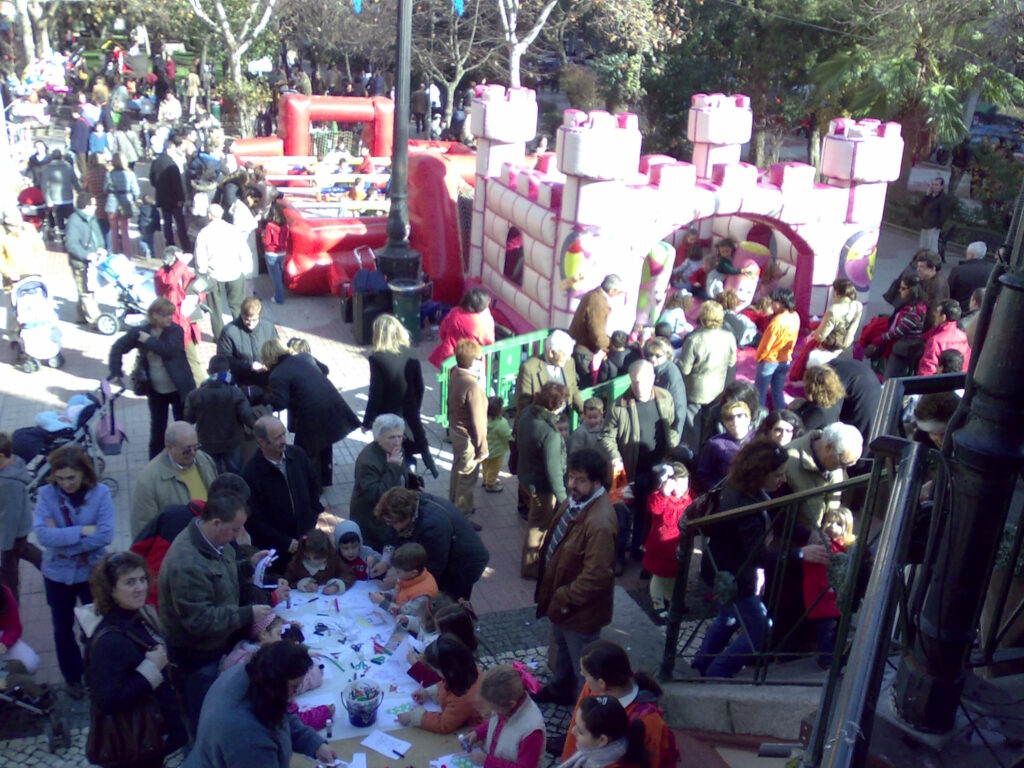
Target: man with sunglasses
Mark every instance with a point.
(178, 474)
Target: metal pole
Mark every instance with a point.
(397, 259)
(848, 732)
(987, 455)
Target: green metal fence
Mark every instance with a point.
(501, 363)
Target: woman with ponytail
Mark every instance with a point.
(606, 737)
(607, 672)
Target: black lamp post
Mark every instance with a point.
(397, 259)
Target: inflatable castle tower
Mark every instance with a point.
(544, 234)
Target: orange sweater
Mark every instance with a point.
(779, 338)
(456, 711)
(410, 589)
(659, 741)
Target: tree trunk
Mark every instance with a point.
(235, 60)
(912, 121)
(757, 147)
(971, 103)
(515, 57)
(814, 147)
(348, 67)
(28, 40)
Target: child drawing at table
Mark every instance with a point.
(265, 632)
(415, 585)
(456, 691)
(314, 565)
(355, 559)
(514, 734)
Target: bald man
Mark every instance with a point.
(177, 475)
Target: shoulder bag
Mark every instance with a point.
(130, 737)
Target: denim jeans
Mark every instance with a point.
(773, 376)
(565, 677)
(61, 599)
(710, 660)
(275, 266)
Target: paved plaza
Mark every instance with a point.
(503, 599)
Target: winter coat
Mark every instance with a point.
(82, 237)
(863, 391)
(640, 704)
(220, 412)
(242, 348)
(621, 436)
(199, 595)
(803, 474)
(967, 277)
(670, 378)
(820, 599)
(815, 416)
(706, 357)
(119, 676)
(737, 546)
(59, 183)
(456, 711)
(779, 339)
(467, 409)
(589, 326)
(15, 507)
(158, 487)
(315, 407)
(78, 142)
(357, 570)
(169, 345)
(123, 186)
(230, 734)
(68, 554)
(940, 338)
(617, 363)
(374, 475)
(299, 576)
(461, 324)
(165, 176)
(396, 386)
(533, 374)
(576, 582)
(156, 538)
(542, 455)
(172, 283)
(663, 537)
(281, 510)
(842, 316)
(455, 554)
(715, 459)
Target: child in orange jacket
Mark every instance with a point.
(456, 692)
(775, 351)
(415, 585)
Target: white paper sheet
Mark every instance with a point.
(386, 744)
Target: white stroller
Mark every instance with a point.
(116, 282)
(39, 334)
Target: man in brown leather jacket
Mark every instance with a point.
(576, 582)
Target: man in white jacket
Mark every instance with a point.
(223, 257)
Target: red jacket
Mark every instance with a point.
(663, 538)
(275, 237)
(940, 338)
(816, 582)
(461, 324)
(171, 283)
(10, 619)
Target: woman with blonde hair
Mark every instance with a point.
(823, 398)
(317, 413)
(396, 386)
(161, 372)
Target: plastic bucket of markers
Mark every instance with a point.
(361, 699)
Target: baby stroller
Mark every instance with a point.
(117, 282)
(33, 207)
(76, 426)
(19, 690)
(39, 335)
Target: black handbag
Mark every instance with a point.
(128, 737)
(140, 377)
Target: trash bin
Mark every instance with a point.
(406, 296)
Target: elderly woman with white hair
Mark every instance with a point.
(970, 274)
(381, 465)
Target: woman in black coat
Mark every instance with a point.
(126, 663)
(456, 556)
(396, 386)
(317, 413)
(162, 360)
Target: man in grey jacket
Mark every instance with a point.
(199, 599)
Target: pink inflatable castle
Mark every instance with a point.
(543, 235)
